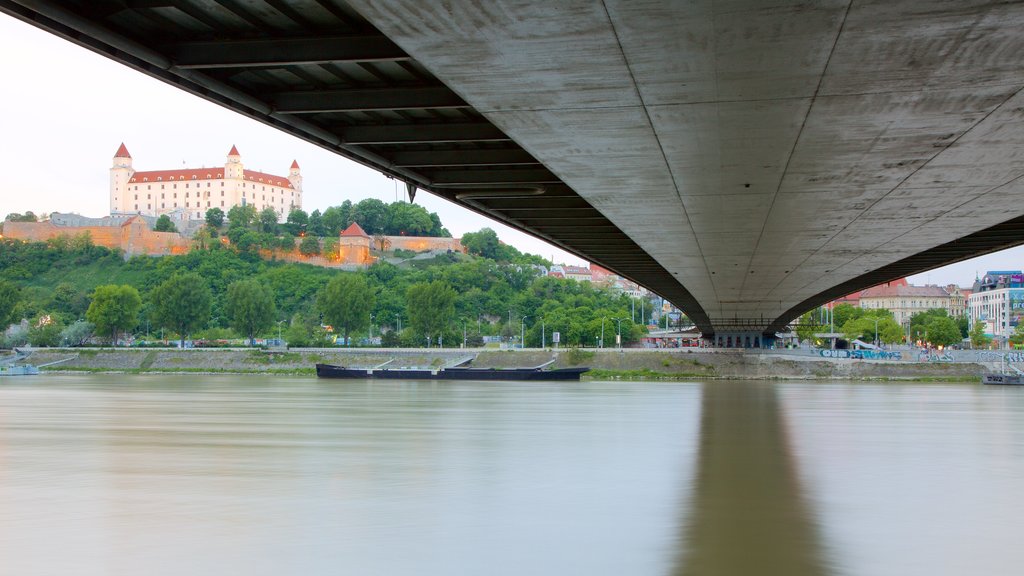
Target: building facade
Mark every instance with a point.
(905, 300)
(997, 301)
(189, 192)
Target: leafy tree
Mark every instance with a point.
(863, 329)
(336, 218)
(77, 333)
(250, 308)
(182, 304)
(346, 303)
(215, 218)
(286, 242)
(26, 217)
(10, 294)
(330, 249)
(483, 243)
(268, 220)
(297, 221)
(919, 322)
(164, 224)
(978, 337)
(240, 216)
(371, 214)
(45, 334)
(431, 307)
(114, 308)
(943, 331)
(310, 246)
(405, 219)
(316, 225)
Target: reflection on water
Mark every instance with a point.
(748, 514)
(169, 475)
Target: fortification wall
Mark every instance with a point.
(134, 239)
(424, 243)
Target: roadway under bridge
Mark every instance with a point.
(747, 160)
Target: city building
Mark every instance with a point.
(904, 300)
(189, 192)
(997, 301)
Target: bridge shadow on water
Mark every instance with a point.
(747, 513)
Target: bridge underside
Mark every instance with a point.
(746, 162)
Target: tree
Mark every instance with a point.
(214, 218)
(483, 243)
(316, 225)
(336, 218)
(943, 331)
(431, 307)
(10, 294)
(268, 220)
(240, 216)
(182, 304)
(1017, 337)
(164, 224)
(978, 337)
(297, 221)
(346, 303)
(26, 217)
(45, 334)
(310, 246)
(250, 309)
(330, 249)
(114, 308)
(77, 333)
(371, 214)
(405, 219)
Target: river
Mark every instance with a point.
(167, 474)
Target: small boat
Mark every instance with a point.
(1005, 379)
(19, 370)
(529, 374)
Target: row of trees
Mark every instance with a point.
(932, 326)
(374, 216)
(443, 299)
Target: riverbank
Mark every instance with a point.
(604, 364)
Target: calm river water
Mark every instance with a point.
(154, 475)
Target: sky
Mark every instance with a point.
(65, 110)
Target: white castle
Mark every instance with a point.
(188, 193)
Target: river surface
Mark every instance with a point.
(161, 474)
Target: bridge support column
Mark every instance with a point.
(743, 339)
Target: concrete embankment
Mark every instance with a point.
(627, 364)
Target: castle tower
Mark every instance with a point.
(295, 177)
(233, 169)
(120, 172)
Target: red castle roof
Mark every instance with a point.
(295, 164)
(189, 174)
(234, 151)
(122, 152)
(354, 230)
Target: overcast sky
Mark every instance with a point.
(66, 110)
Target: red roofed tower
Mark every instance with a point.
(233, 168)
(120, 173)
(295, 177)
(355, 229)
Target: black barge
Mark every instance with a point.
(529, 374)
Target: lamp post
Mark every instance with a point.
(371, 330)
(522, 332)
(876, 330)
(618, 332)
(463, 332)
(543, 341)
(279, 341)
(602, 332)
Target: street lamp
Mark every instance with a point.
(602, 332)
(279, 341)
(876, 330)
(522, 332)
(543, 342)
(618, 332)
(371, 330)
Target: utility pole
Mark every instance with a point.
(602, 332)
(522, 332)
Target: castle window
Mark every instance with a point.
(144, 179)
(149, 206)
(161, 186)
(149, 197)
(175, 194)
(149, 186)
(162, 205)
(161, 195)
(222, 192)
(207, 184)
(159, 179)
(175, 186)
(136, 196)
(175, 204)
(207, 203)
(136, 206)
(221, 184)
(221, 202)
(136, 187)
(193, 176)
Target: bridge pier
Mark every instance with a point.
(743, 339)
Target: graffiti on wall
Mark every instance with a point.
(863, 354)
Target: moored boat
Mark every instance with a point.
(1004, 379)
(529, 374)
